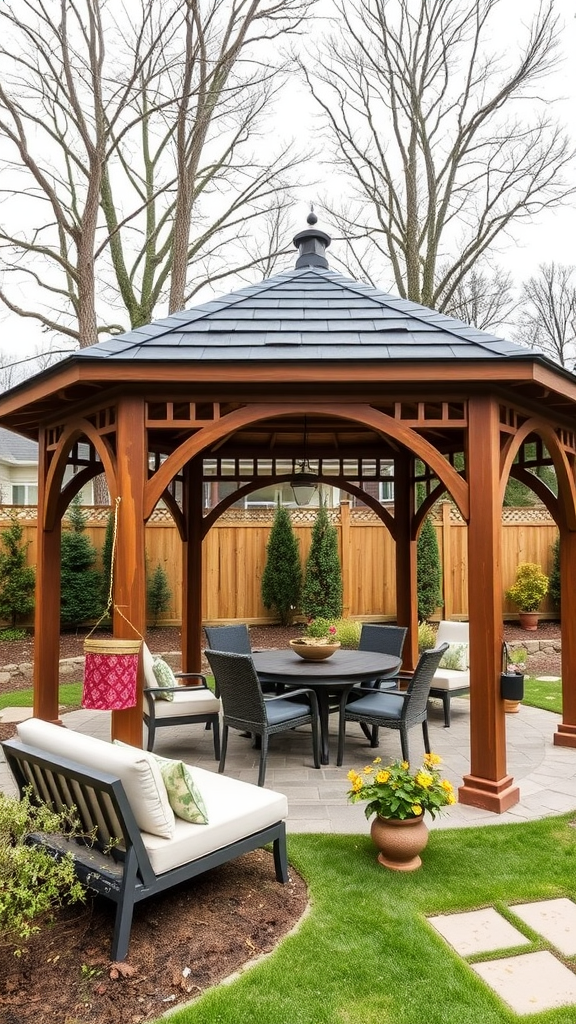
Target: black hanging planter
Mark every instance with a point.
(511, 683)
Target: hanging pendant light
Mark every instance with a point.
(305, 481)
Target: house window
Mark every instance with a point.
(24, 494)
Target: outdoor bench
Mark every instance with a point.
(129, 844)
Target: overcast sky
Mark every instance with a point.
(552, 237)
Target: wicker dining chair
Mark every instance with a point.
(236, 640)
(244, 706)
(398, 709)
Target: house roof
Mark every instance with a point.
(16, 450)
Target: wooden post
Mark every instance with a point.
(192, 569)
(487, 785)
(47, 604)
(346, 559)
(130, 562)
(406, 551)
(565, 736)
(447, 568)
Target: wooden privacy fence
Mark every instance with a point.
(235, 554)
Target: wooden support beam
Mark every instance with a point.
(192, 568)
(565, 736)
(130, 562)
(487, 785)
(47, 605)
(406, 589)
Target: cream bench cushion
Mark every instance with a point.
(451, 678)
(137, 770)
(235, 809)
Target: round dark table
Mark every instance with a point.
(333, 676)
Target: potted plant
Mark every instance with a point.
(527, 592)
(319, 641)
(399, 799)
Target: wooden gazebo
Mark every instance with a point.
(307, 362)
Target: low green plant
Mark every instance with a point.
(393, 791)
(426, 637)
(320, 629)
(348, 632)
(13, 634)
(33, 884)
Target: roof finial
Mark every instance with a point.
(312, 244)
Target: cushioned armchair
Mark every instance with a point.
(453, 678)
(398, 709)
(178, 704)
(244, 706)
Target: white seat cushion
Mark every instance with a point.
(450, 679)
(189, 702)
(137, 769)
(235, 809)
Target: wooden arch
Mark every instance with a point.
(54, 506)
(562, 509)
(365, 414)
(339, 481)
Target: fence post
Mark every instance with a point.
(447, 581)
(346, 556)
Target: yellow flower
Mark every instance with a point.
(451, 798)
(431, 759)
(368, 769)
(405, 765)
(447, 786)
(416, 809)
(424, 779)
(382, 776)
(377, 760)
(357, 784)
(352, 775)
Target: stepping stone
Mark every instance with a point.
(554, 919)
(547, 679)
(478, 931)
(530, 982)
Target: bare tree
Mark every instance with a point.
(446, 143)
(483, 298)
(132, 152)
(547, 318)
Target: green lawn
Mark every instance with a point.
(69, 694)
(366, 954)
(543, 695)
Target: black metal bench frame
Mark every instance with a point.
(113, 861)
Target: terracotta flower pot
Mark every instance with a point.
(313, 651)
(399, 842)
(529, 620)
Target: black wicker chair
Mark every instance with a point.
(244, 706)
(235, 640)
(384, 640)
(400, 709)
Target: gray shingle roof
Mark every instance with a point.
(15, 449)
(306, 314)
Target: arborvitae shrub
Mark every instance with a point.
(429, 571)
(282, 577)
(322, 591)
(158, 593)
(81, 583)
(17, 579)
